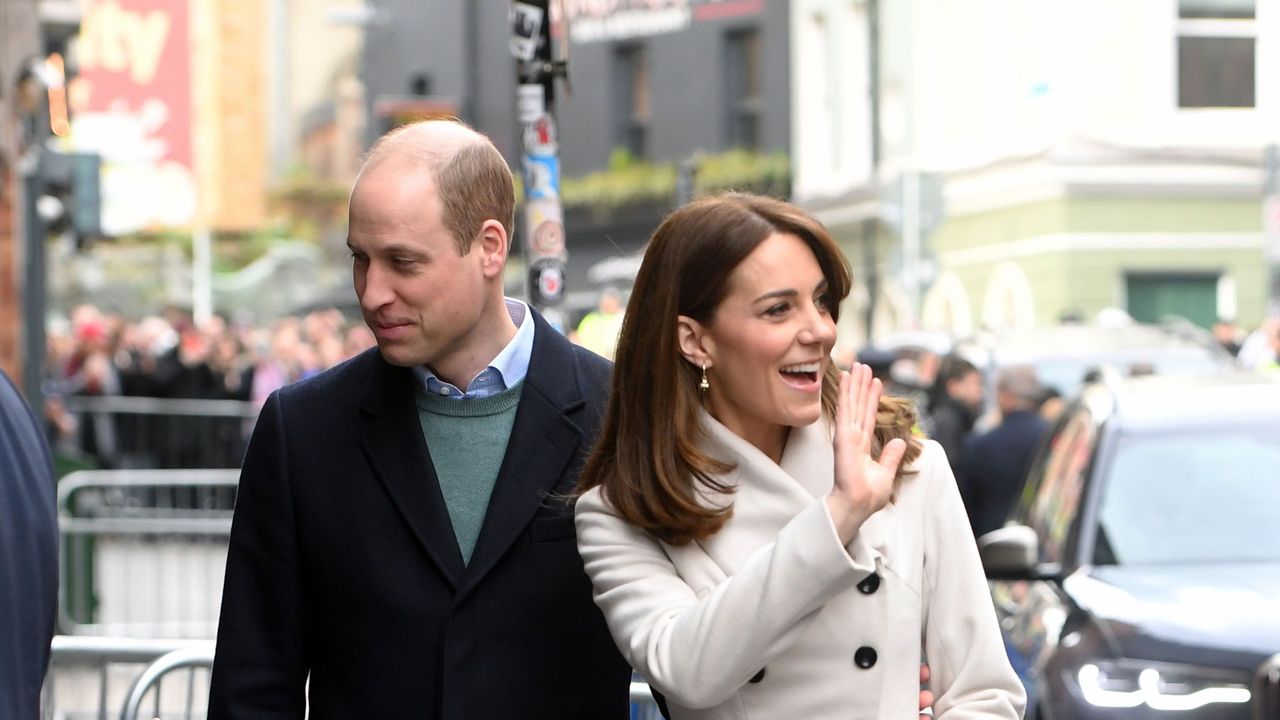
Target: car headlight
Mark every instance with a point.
(1159, 686)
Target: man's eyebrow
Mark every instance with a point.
(393, 249)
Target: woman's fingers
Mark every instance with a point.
(891, 455)
(858, 381)
(869, 409)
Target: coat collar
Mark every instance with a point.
(767, 495)
(543, 441)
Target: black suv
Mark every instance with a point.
(1139, 574)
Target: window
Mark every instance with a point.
(1193, 495)
(631, 99)
(742, 89)
(1217, 42)
(1058, 489)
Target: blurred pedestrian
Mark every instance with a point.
(954, 404)
(401, 546)
(28, 556)
(996, 462)
(1256, 350)
(598, 330)
(1228, 336)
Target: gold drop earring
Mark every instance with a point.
(704, 385)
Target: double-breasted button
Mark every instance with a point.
(869, 584)
(865, 657)
(757, 677)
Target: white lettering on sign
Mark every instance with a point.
(119, 40)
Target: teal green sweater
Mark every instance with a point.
(467, 440)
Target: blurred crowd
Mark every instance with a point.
(93, 353)
(990, 441)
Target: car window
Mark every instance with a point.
(1211, 495)
(1057, 496)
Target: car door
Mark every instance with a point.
(1032, 612)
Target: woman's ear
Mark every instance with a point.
(693, 341)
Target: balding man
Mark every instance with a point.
(401, 540)
(995, 464)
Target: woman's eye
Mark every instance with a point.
(778, 309)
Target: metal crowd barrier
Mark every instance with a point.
(90, 677)
(127, 678)
(143, 552)
(145, 432)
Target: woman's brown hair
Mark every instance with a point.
(646, 460)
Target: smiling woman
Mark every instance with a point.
(763, 533)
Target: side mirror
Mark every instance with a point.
(1013, 553)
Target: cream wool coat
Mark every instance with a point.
(774, 590)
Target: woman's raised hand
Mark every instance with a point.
(863, 485)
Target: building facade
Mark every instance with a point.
(649, 83)
(1042, 159)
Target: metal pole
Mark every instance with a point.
(1271, 225)
(911, 243)
(201, 275)
(871, 226)
(33, 280)
(544, 236)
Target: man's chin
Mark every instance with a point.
(398, 355)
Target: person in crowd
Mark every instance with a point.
(1256, 353)
(765, 534)
(1228, 336)
(598, 330)
(954, 404)
(1272, 365)
(402, 544)
(1051, 404)
(91, 372)
(996, 462)
(28, 556)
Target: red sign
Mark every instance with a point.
(131, 103)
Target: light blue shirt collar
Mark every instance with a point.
(506, 370)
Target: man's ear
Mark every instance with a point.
(695, 343)
(494, 244)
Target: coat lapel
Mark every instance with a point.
(394, 445)
(768, 494)
(544, 440)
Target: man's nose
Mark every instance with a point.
(372, 287)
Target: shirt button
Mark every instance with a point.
(869, 584)
(757, 677)
(865, 657)
(444, 391)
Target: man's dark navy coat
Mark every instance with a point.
(343, 563)
(28, 556)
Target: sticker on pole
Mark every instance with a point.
(526, 25)
(542, 176)
(531, 103)
(544, 224)
(540, 136)
(546, 280)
